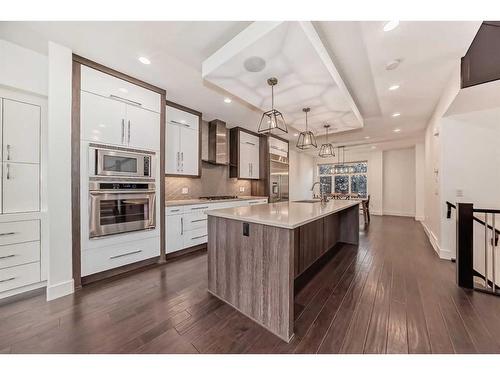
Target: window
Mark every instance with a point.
(345, 178)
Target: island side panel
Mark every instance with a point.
(349, 225)
(254, 274)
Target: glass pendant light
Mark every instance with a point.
(272, 119)
(326, 149)
(306, 138)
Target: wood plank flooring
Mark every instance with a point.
(389, 295)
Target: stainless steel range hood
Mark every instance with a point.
(218, 143)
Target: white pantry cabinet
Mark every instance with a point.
(20, 187)
(182, 155)
(244, 155)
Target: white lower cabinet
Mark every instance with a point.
(109, 257)
(15, 277)
(187, 225)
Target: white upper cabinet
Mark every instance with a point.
(142, 128)
(102, 119)
(182, 155)
(117, 112)
(249, 156)
(278, 147)
(21, 132)
(108, 86)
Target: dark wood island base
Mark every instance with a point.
(253, 266)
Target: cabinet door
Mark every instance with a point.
(174, 233)
(245, 160)
(177, 117)
(189, 151)
(21, 132)
(102, 119)
(172, 153)
(21, 191)
(254, 162)
(143, 128)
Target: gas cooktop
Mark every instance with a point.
(219, 197)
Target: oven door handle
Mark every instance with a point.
(98, 192)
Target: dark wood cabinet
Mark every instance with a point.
(311, 244)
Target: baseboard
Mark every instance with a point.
(446, 254)
(397, 213)
(420, 218)
(441, 253)
(22, 290)
(376, 213)
(60, 290)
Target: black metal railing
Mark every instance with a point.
(465, 246)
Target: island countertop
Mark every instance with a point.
(289, 215)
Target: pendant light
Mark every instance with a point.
(326, 150)
(306, 138)
(272, 119)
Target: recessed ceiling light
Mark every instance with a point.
(367, 137)
(393, 64)
(374, 147)
(144, 60)
(121, 89)
(396, 114)
(393, 87)
(296, 134)
(391, 25)
(227, 100)
(397, 130)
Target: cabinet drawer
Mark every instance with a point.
(106, 258)
(181, 118)
(22, 253)
(198, 208)
(19, 231)
(174, 210)
(195, 237)
(250, 139)
(15, 277)
(108, 86)
(257, 201)
(195, 221)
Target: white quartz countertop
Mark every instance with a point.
(187, 202)
(289, 215)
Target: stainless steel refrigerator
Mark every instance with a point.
(278, 178)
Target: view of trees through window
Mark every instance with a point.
(345, 178)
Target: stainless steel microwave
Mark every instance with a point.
(119, 162)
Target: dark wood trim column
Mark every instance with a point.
(465, 237)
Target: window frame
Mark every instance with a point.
(348, 174)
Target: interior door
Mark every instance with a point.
(172, 153)
(189, 151)
(174, 233)
(102, 119)
(20, 187)
(142, 128)
(21, 132)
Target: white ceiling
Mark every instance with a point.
(360, 51)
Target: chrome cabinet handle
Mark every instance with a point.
(8, 152)
(8, 256)
(119, 98)
(128, 137)
(197, 221)
(174, 210)
(182, 161)
(182, 226)
(180, 123)
(178, 161)
(199, 208)
(126, 254)
(7, 233)
(8, 171)
(250, 143)
(195, 238)
(5, 280)
(123, 130)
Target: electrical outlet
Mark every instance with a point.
(185, 190)
(242, 189)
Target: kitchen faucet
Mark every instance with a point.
(323, 196)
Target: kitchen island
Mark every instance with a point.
(256, 253)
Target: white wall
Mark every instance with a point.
(419, 181)
(301, 175)
(60, 278)
(23, 69)
(399, 182)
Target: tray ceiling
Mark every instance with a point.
(293, 53)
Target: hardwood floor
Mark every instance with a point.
(389, 295)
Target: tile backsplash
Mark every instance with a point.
(214, 181)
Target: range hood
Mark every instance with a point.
(218, 143)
